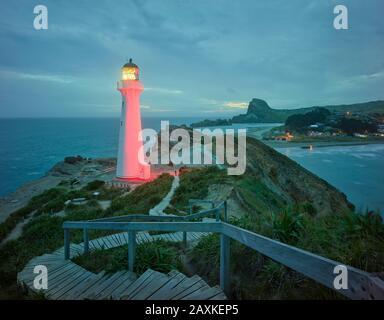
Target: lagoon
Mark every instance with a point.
(358, 171)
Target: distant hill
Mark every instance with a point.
(260, 112)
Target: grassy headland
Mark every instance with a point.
(276, 197)
(44, 233)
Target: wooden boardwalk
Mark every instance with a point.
(68, 281)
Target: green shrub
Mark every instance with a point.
(194, 184)
(10, 223)
(143, 198)
(94, 185)
(287, 227)
(158, 255)
(350, 238)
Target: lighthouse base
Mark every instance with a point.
(144, 174)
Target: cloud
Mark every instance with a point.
(163, 90)
(356, 82)
(150, 109)
(287, 53)
(37, 77)
(162, 110)
(210, 101)
(237, 105)
(225, 104)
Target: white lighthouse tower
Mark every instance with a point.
(130, 151)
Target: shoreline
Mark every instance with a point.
(17, 199)
(318, 144)
(61, 171)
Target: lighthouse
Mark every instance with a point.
(130, 157)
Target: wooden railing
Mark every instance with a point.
(361, 285)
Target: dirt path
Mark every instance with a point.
(158, 210)
(18, 230)
(19, 199)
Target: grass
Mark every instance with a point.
(194, 184)
(256, 196)
(158, 255)
(41, 235)
(52, 201)
(36, 203)
(44, 233)
(350, 238)
(143, 198)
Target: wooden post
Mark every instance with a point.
(217, 214)
(224, 263)
(86, 240)
(185, 239)
(185, 233)
(131, 249)
(67, 244)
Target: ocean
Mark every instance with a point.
(30, 147)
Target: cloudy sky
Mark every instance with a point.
(203, 58)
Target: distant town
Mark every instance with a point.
(322, 124)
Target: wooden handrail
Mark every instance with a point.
(361, 285)
(147, 226)
(146, 217)
(318, 268)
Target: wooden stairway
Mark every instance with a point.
(153, 285)
(69, 281)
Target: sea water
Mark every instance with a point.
(358, 171)
(30, 147)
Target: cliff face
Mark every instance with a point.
(260, 111)
(292, 182)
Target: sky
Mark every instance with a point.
(205, 58)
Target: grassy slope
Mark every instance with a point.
(194, 185)
(143, 198)
(350, 238)
(44, 232)
(344, 236)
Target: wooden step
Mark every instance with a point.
(145, 292)
(91, 289)
(166, 290)
(101, 294)
(200, 283)
(125, 279)
(76, 293)
(146, 278)
(203, 293)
